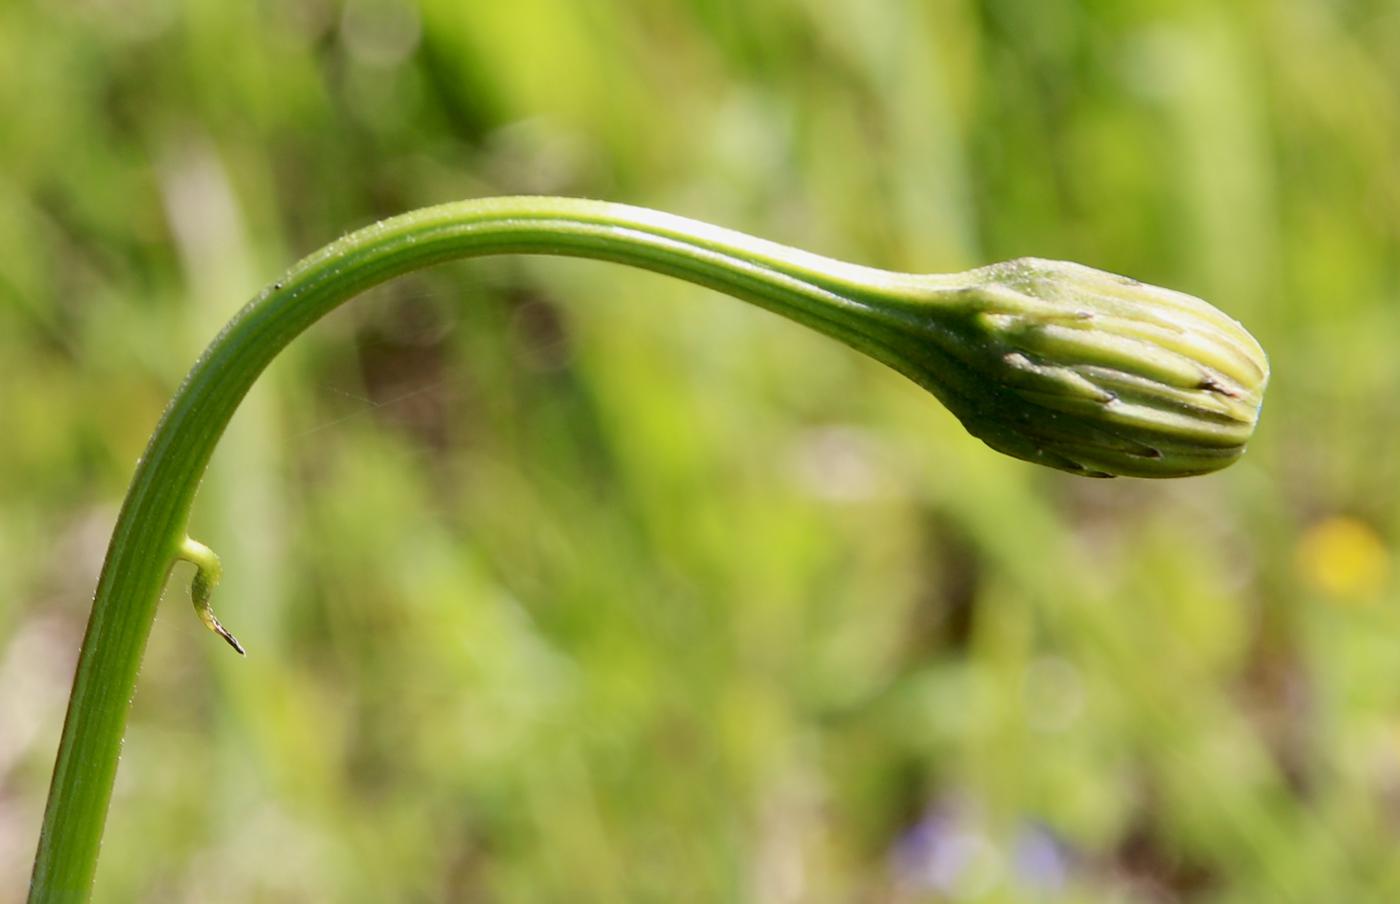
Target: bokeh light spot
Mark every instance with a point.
(1344, 558)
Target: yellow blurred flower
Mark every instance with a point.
(1343, 557)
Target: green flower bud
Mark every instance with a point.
(1081, 370)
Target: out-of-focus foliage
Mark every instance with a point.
(562, 582)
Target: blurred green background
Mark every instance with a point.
(563, 582)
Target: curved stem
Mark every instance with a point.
(836, 298)
(1050, 362)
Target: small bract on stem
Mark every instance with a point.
(207, 572)
(1049, 362)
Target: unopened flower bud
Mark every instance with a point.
(1085, 371)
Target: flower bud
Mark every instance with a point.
(1101, 375)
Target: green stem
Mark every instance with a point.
(1050, 362)
(831, 296)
